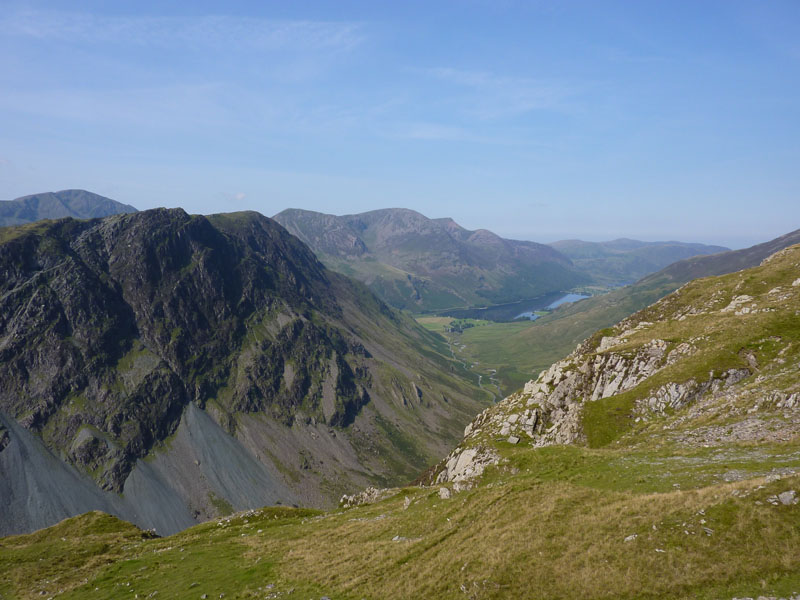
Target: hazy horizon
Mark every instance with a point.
(537, 121)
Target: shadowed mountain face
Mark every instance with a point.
(129, 344)
(623, 260)
(431, 264)
(78, 204)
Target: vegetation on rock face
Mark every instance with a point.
(426, 264)
(110, 328)
(660, 459)
(694, 366)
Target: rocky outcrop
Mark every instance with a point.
(734, 326)
(674, 396)
(464, 466)
(369, 495)
(548, 409)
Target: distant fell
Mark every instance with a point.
(422, 264)
(78, 204)
(625, 260)
(723, 263)
(554, 336)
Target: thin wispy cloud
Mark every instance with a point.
(197, 31)
(490, 96)
(171, 106)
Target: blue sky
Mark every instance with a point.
(537, 120)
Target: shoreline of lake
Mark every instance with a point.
(513, 311)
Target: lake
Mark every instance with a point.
(530, 314)
(515, 310)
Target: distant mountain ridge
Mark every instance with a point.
(78, 204)
(625, 260)
(415, 262)
(555, 335)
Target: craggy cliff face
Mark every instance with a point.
(110, 329)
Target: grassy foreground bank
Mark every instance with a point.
(562, 522)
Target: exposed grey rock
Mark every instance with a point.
(465, 465)
(367, 496)
(444, 493)
(788, 497)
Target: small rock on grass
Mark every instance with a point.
(444, 493)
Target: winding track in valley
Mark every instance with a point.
(468, 367)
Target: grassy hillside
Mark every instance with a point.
(693, 496)
(519, 351)
(79, 204)
(427, 265)
(551, 523)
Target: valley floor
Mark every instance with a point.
(559, 522)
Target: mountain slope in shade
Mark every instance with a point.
(431, 264)
(623, 261)
(78, 204)
(179, 367)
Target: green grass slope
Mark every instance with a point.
(604, 495)
(423, 265)
(519, 351)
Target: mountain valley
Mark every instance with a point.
(516, 351)
(624, 261)
(422, 264)
(660, 459)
